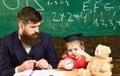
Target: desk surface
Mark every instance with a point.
(69, 73)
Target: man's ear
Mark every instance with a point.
(20, 25)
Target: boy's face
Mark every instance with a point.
(74, 49)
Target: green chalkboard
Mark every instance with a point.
(64, 17)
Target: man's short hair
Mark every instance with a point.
(29, 15)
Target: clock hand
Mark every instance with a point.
(69, 62)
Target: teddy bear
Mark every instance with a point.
(100, 64)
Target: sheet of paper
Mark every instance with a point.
(24, 73)
(40, 73)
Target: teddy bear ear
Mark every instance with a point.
(100, 45)
(109, 50)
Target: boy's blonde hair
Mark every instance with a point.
(77, 42)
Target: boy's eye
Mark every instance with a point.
(75, 49)
(69, 50)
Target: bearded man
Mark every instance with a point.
(27, 48)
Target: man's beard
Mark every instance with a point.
(30, 40)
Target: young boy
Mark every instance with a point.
(75, 50)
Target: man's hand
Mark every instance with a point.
(29, 64)
(42, 64)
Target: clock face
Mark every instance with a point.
(68, 63)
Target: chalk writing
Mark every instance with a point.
(108, 7)
(107, 23)
(70, 17)
(40, 6)
(18, 4)
(83, 13)
(11, 8)
(57, 2)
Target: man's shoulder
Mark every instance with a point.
(42, 34)
(10, 36)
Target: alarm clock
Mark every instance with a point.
(68, 64)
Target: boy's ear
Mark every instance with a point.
(83, 48)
